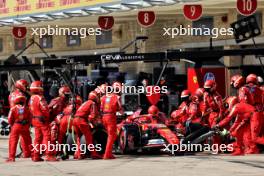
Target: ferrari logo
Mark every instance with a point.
(107, 106)
(20, 117)
(195, 80)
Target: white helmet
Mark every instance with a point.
(260, 80)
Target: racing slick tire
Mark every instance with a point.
(196, 134)
(203, 137)
(99, 140)
(129, 139)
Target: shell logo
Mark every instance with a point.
(195, 80)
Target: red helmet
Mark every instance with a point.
(78, 100)
(210, 85)
(101, 89)
(21, 85)
(252, 78)
(237, 81)
(93, 96)
(185, 93)
(20, 100)
(64, 90)
(153, 110)
(97, 90)
(199, 92)
(117, 86)
(231, 102)
(36, 87)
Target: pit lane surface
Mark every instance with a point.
(141, 165)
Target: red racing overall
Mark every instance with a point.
(40, 120)
(19, 119)
(110, 104)
(241, 128)
(81, 126)
(67, 112)
(213, 102)
(28, 139)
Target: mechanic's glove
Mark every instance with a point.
(216, 127)
(218, 119)
(224, 132)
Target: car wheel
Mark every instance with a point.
(123, 147)
(100, 138)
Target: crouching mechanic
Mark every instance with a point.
(242, 112)
(184, 107)
(56, 107)
(65, 122)
(255, 97)
(57, 104)
(214, 105)
(110, 104)
(155, 115)
(40, 120)
(194, 121)
(19, 119)
(181, 114)
(81, 126)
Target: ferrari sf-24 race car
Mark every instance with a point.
(144, 133)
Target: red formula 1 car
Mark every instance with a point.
(143, 132)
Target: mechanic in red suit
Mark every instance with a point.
(176, 121)
(156, 116)
(184, 107)
(255, 97)
(101, 90)
(241, 128)
(195, 107)
(194, 113)
(88, 109)
(230, 102)
(19, 119)
(244, 95)
(214, 105)
(56, 107)
(237, 82)
(110, 104)
(181, 114)
(57, 104)
(66, 116)
(40, 120)
(213, 102)
(20, 90)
